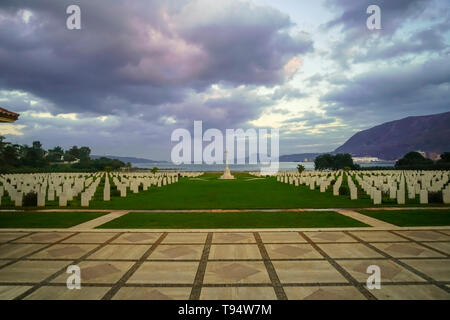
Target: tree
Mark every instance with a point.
(154, 170)
(336, 162)
(72, 154)
(84, 153)
(69, 157)
(33, 156)
(445, 157)
(55, 154)
(300, 168)
(412, 159)
(9, 154)
(342, 160)
(324, 161)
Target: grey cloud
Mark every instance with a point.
(358, 44)
(388, 93)
(311, 118)
(287, 93)
(137, 52)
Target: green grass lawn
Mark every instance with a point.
(246, 192)
(412, 218)
(45, 219)
(199, 220)
(208, 192)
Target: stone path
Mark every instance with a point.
(365, 219)
(414, 264)
(91, 224)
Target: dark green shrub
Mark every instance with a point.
(30, 199)
(344, 191)
(435, 197)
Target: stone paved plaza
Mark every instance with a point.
(255, 264)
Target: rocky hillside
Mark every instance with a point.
(392, 140)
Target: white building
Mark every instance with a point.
(365, 159)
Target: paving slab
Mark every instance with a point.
(119, 252)
(292, 251)
(233, 237)
(425, 235)
(238, 293)
(137, 238)
(177, 252)
(234, 251)
(90, 237)
(11, 292)
(324, 293)
(407, 250)
(390, 271)
(281, 237)
(438, 269)
(104, 272)
(250, 265)
(64, 251)
(165, 272)
(410, 292)
(9, 236)
(236, 272)
(377, 236)
(155, 293)
(320, 237)
(179, 237)
(30, 271)
(307, 272)
(63, 293)
(441, 246)
(4, 262)
(344, 250)
(44, 237)
(15, 250)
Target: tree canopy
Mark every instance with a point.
(413, 159)
(14, 156)
(334, 162)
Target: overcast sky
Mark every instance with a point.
(138, 69)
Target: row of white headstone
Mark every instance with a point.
(313, 178)
(64, 187)
(395, 184)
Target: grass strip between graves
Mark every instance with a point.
(201, 220)
(46, 219)
(411, 218)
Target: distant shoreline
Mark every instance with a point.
(284, 166)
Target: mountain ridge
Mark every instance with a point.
(128, 159)
(392, 140)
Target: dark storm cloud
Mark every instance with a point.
(387, 93)
(135, 54)
(233, 110)
(359, 44)
(352, 14)
(423, 41)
